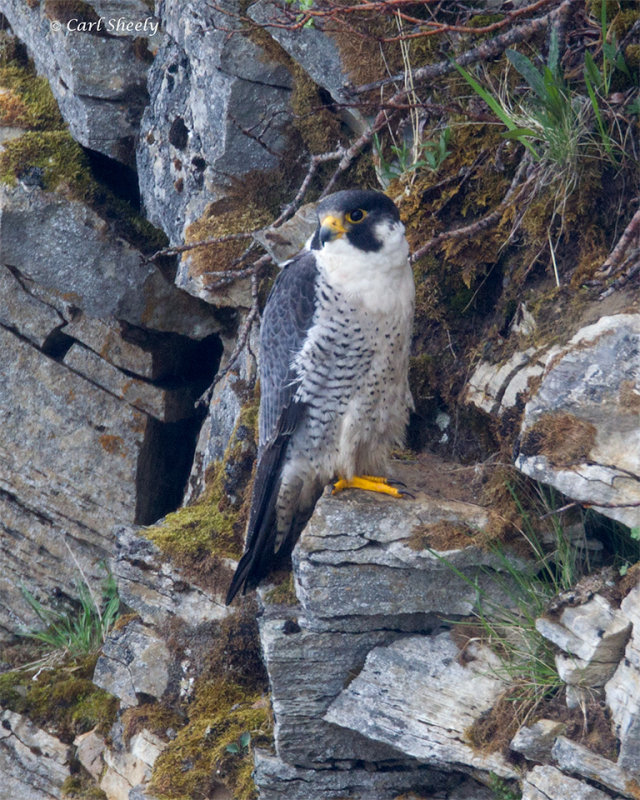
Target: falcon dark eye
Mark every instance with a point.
(356, 216)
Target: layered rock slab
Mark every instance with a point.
(581, 428)
(69, 460)
(367, 583)
(97, 428)
(33, 764)
(97, 76)
(219, 106)
(362, 563)
(415, 696)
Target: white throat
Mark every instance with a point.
(372, 277)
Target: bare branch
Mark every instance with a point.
(184, 248)
(243, 333)
(483, 51)
(631, 232)
(483, 223)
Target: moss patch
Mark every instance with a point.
(196, 537)
(318, 126)
(564, 439)
(48, 155)
(442, 535)
(284, 592)
(81, 787)
(227, 216)
(59, 159)
(215, 744)
(63, 701)
(26, 100)
(152, 717)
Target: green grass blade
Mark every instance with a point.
(592, 70)
(494, 105)
(529, 72)
(606, 141)
(553, 62)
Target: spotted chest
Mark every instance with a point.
(353, 373)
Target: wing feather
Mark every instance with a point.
(287, 317)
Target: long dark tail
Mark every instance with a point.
(259, 556)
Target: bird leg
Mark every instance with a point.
(371, 483)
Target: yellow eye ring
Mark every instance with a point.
(355, 216)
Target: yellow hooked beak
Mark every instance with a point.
(331, 228)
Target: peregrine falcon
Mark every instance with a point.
(334, 354)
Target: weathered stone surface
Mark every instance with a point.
(63, 245)
(33, 764)
(22, 312)
(218, 111)
(90, 748)
(155, 589)
(286, 241)
(70, 457)
(307, 670)
(535, 741)
(316, 52)
(415, 696)
(98, 78)
(578, 760)
(494, 388)
(594, 635)
(277, 780)
(151, 360)
(167, 405)
(134, 661)
(129, 767)
(354, 563)
(593, 381)
(623, 690)
(548, 783)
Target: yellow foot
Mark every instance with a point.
(369, 482)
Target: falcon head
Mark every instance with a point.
(367, 220)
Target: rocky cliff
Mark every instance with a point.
(479, 639)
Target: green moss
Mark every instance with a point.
(284, 592)
(152, 717)
(27, 101)
(482, 20)
(317, 125)
(196, 537)
(213, 746)
(81, 787)
(60, 159)
(49, 149)
(624, 21)
(63, 701)
(632, 56)
(594, 7)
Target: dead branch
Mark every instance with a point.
(184, 248)
(484, 222)
(631, 232)
(314, 163)
(243, 333)
(484, 51)
(294, 19)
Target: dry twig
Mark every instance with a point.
(631, 232)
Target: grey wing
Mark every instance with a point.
(287, 317)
